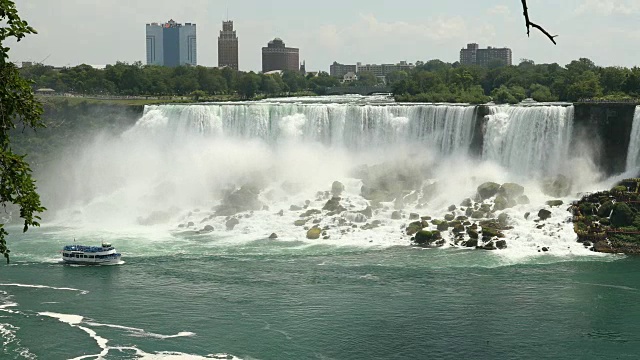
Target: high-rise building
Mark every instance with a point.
(228, 46)
(340, 70)
(276, 56)
(473, 55)
(379, 70)
(171, 44)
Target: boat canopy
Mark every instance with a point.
(87, 249)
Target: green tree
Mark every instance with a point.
(17, 105)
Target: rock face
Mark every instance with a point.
(610, 220)
(488, 190)
(231, 223)
(511, 190)
(243, 199)
(337, 188)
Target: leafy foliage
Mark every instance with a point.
(580, 79)
(17, 106)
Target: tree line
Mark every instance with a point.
(139, 80)
(433, 81)
(437, 81)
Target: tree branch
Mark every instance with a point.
(530, 24)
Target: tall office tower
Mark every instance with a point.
(171, 44)
(276, 56)
(228, 46)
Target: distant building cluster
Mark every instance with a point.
(473, 55)
(346, 72)
(171, 44)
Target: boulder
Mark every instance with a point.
(414, 216)
(503, 219)
(396, 215)
(559, 186)
(467, 203)
(477, 214)
(501, 203)
(443, 226)
(526, 216)
(488, 190)
(622, 215)
(310, 213)
(414, 227)
(232, 223)
(295, 208)
(471, 243)
(190, 224)
(243, 199)
(280, 213)
(553, 203)
(207, 229)
(337, 188)
(449, 217)
(333, 205)
(425, 237)
(523, 200)
(544, 214)
(469, 212)
(429, 192)
(605, 209)
(490, 233)
(299, 222)
(489, 246)
(473, 234)
(511, 190)
(452, 208)
(501, 244)
(368, 212)
(273, 236)
(314, 233)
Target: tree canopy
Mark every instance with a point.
(17, 106)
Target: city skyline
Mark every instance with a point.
(603, 31)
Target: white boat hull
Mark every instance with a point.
(90, 255)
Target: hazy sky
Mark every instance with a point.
(100, 32)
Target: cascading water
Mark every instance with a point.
(183, 167)
(448, 129)
(531, 140)
(633, 155)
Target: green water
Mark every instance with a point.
(189, 298)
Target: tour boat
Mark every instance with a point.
(90, 255)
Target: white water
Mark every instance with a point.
(529, 140)
(174, 165)
(633, 155)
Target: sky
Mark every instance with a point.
(99, 32)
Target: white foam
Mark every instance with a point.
(82, 292)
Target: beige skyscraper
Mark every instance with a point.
(228, 46)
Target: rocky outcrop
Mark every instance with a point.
(240, 200)
(609, 220)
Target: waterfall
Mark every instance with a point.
(528, 140)
(633, 155)
(447, 128)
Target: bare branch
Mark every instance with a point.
(530, 24)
